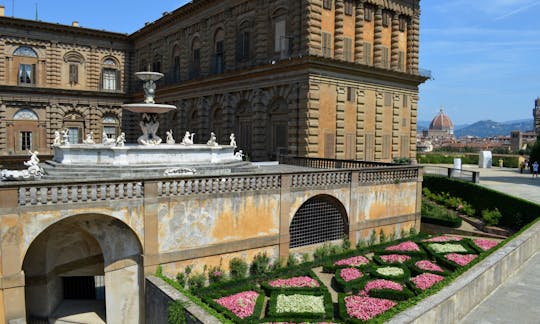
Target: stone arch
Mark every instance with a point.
(25, 114)
(100, 254)
(321, 218)
(26, 51)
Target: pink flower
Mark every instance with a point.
(296, 282)
(460, 259)
(354, 261)
(485, 244)
(241, 304)
(349, 274)
(428, 266)
(426, 280)
(443, 238)
(395, 258)
(365, 308)
(404, 246)
(382, 284)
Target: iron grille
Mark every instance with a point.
(318, 220)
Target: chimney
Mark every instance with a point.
(75, 23)
(2, 11)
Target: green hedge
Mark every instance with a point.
(509, 161)
(435, 214)
(347, 286)
(516, 212)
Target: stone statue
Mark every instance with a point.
(188, 138)
(65, 137)
(170, 138)
(89, 138)
(120, 140)
(106, 140)
(239, 155)
(34, 171)
(149, 126)
(57, 141)
(213, 140)
(149, 87)
(233, 140)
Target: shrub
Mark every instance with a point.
(382, 236)
(360, 244)
(434, 214)
(181, 279)
(196, 281)
(260, 264)
(237, 268)
(491, 217)
(176, 313)
(412, 231)
(346, 244)
(322, 251)
(216, 275)
(305, 257)
(373, 238)
(292, 260)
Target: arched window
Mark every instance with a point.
(218, 59)
(218, 124)
(73, 61)
(195, 66)
(244, 126)
(74, 123)
(278, 129)
(25, 114)
(110, 75)
(26, 58)
(320, 219)
(156, 64)
(243, 45)
(282, 42)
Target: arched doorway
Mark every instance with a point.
(86, 264)
(320, 219)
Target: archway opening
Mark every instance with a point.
(320, 219)
(84, 269)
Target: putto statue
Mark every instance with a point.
(213, 140)
(57, 141)
(149, 91)
(170, 138)
(149, 126)
(106, 140)
(89, 138)
(188, 138)
(65, 137)
(239, 155)
(120, 140)
(233, 140)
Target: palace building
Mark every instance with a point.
(335, 79)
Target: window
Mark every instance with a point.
(329, 145)
(348, 7)
(243, 46)
(386, 146)
(347, 49)
(405, 101)
(176, 68)
(350, 146)
(156, 66)
(280, 33)
(326, 44)
(402, 24)
(25, 114)
(25, 51)
(387, 99)
(401, 61)
(367, 53)
(404, 122)
(218, 58)
(404, 146)
(386, 18)
(368, 13)
(385, 57)
(109, 79)
(27, 73)
(73, 73)
(195, 68)
(351, 94)
(369, 147)
(327, 4)
(110, 126)
(26, 141)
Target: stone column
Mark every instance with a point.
(394, 58)
(338, 34)
(359, 33)
(313, 26)
(377, 41)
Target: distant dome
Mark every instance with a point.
(441, 122)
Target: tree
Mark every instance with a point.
(535, 152)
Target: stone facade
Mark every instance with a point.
(536, 116)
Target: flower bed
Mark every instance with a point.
(387, 289)
(443, 238)
(482, 245)
(424, 281)
(407, 247)
(358, 261)
(447, 248)
(388, 259)
(427, 266)
(243, 304)
(455, 260)
(347, 278)
(395, 272)
(302, 282)
(358, 309)
(285, 306)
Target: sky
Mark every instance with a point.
(484, 55)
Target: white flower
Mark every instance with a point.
(300, 304)
(447, 248)
(391, 271)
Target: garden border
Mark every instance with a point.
(456, 300)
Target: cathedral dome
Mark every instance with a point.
(441, 122)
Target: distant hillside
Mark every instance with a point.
(487, 128)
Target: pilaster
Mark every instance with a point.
(3, 127)
(53, 74)
(394, 58)
(262, 27)
(313, 106)
(379, 109)
(93, 72)
(230, 41)
(396, 122)
(314, 26)
(413, 122)
(360, 124)
(206, 46)
(340, 122)
(338, 37)
(3, 77)
(377, 40)
(359, 33)
(260, 117)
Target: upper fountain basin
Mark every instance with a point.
(147, 76)
(148, 108)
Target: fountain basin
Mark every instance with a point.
(137, 155)
(148, 108)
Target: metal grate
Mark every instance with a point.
(318, 220)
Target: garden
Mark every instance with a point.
(364, 284)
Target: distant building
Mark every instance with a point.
(441, 127)
(536, 115)
(520, 140)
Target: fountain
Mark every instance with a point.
(151, 156)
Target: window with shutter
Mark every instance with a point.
(386, 146)
(386, 17)
(404, 146)
(367, 53)
(387, 99)
(327, 4)
(329, 145)
(350, 146)
(280, 33)
(327, 44)
(351, 95)
(405, 101)
(402, 24)
(368, 12)
(73, 73)
(385, 57)
(347, 50)
(369, 147)
(349, 7)
(401, 61)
